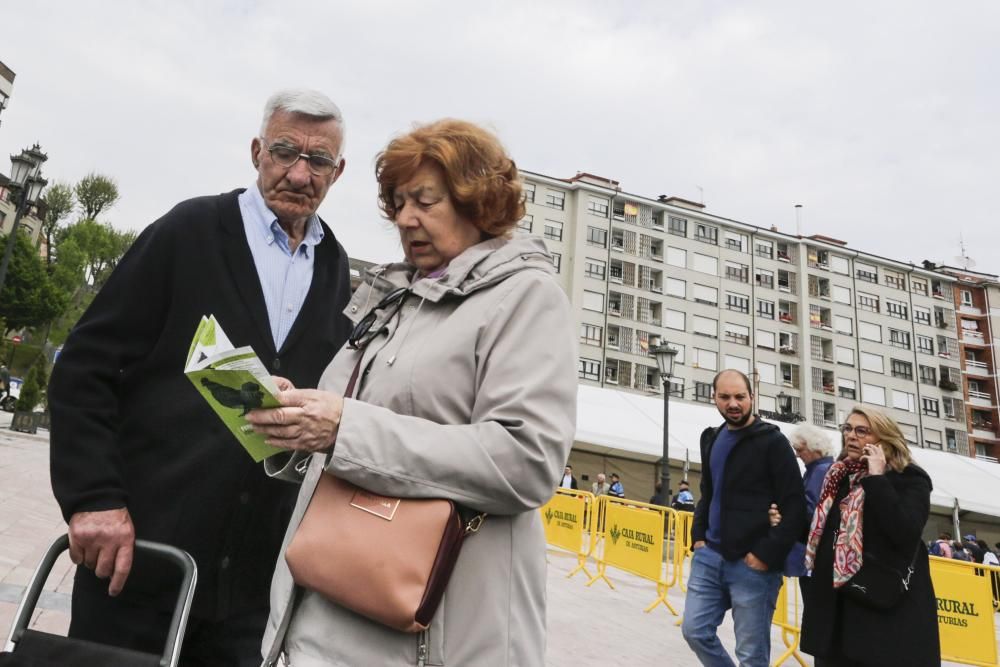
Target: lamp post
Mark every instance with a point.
(665, 362)
(26, 182)
(782, 397)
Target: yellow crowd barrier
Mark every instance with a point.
(568, 519)
(786, 616)
(965, 605)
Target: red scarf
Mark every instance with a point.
(847, 547)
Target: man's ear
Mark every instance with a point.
(255, 146)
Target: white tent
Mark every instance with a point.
(624, 424)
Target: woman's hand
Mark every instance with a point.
(307, 420)
(284, 384)
(773, 515)
(874, 455)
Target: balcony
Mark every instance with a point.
(947, 385)
(970, 310)
(978, 368)
(786, 318)
(983, 431)
(980, 399)
(973, 337)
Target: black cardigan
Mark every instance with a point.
(129, 429)
(761, 469)
(895, 511)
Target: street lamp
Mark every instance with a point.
(26, 185)
(782, 397)
(665, 362)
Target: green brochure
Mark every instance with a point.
(233, 382)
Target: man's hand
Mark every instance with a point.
(755, 563)
(698, 545)
(103, 542)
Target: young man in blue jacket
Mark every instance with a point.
(746, 465)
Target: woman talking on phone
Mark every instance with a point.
(864, 542)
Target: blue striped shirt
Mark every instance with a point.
(285, 276)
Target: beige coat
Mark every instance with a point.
(477, 405)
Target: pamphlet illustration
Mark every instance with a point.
(233, 381)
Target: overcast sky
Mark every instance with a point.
(881, 118)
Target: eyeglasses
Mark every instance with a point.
(363, 332)
(860, 431)
(286, 156)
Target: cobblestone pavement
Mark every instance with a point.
(588, 626)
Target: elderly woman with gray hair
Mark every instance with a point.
(816, 449)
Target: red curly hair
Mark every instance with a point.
(482, 180)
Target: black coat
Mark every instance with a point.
(130, 430)
(895, 511)
(761, 469)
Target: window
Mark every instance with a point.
(706, 233)
(874, 394)
(868, 302)
(764, 249)
(736, 241)
(765, 309)
(896, 309)
(737, 271)
(525, 223)
(674, 319)
(588, 369)
(594, 268)
(840, 265)
(925, 344)
(932, 438)
(706, 264)
(919, 286)
(598, 207)
(922, 315)
(593, 301)
(872, 362)
(846, 388)
(529, 192)
(865, 272)
(703, 392)
(676, 287)
(555, 199)
(966, 297)
(928, 374)
(895, 279)
(765, 339)
(553, 230)
(708, 295)
(677, 257)
(842, 294)
(737, 302)
(844, 355)
(930, 407)
(705, 326)
(766, 372)
(706, 359)
(901, 369)
(737, 363)
(590, 334)
(736, 333)
(844, 325)
(678, 226)
(902, 400)
(764, 278)
(899, 338)
(597, 236)
(557, 261)
(870, 331)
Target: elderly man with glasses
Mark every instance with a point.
(136, 452)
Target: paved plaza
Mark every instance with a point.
(588, 626)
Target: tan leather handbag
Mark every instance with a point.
(388, 559)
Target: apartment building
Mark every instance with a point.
(817, 325)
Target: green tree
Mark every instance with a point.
(58, 200)
(29, 297)
(31, 390)
(100, 246)
(95, 193)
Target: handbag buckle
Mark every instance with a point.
(474, 524)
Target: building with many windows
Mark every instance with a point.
(817, 325)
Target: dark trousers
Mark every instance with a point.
(839, 662)
(233, 642)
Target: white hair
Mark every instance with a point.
(306, 102)
(815, 439)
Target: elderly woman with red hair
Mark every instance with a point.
(466, 390)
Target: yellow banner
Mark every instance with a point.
(633, 540)
(563, 520)
(965, 612)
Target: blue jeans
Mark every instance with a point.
(716, 585)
